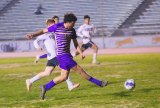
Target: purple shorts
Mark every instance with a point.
(66, 61)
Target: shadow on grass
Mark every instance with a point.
(147, 90)
(115, 82)
(122, 93)
(130, 92)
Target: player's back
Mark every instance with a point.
(50, 45)
(63, 37)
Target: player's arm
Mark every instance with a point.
(94, 29)
(76, 45)
(36, 45)
(40, 32)
(37, 33)
(38, 39)
(79, 32)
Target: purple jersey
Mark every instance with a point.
(63, 37)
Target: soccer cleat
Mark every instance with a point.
(37, 59)
(28, 84)
(104, 83)
(74, 86)
(43, 91)
(95, 62)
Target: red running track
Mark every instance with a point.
(89, 52)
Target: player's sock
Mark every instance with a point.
(73, 54)
(43, 56)
(69, 83)
(35, 78)
(50, 85)
(94, 57)
(95, 81)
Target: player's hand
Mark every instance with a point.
(29, 36)
(84, 37)
(82, 56)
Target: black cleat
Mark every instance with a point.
(104, 83)
(43, 91)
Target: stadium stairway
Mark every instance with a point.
(145, 20)
(20, 19)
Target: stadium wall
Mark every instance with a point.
(102, 42)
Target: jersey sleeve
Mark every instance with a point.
(36, 44)
(79, 31)
(94, 29)
(54, 27)
(37, 41)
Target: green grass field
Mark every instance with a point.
(143, 68)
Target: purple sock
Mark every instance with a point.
(50, 85)
(43, 56)
(97, 82)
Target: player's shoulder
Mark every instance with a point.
(55, 26)
(42, 36)
(81, 26)
(60, 24)
(92, 24)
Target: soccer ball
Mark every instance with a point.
(129, 84)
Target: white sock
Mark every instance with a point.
(94, 57)
(35, 78)
(69, 83)
(73, 54)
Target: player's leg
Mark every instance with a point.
(83, 48)
(95, 51)
(51, 64)
(40, 75)
(85, 75)
(38, 57)
(75, 53)
(55, 81)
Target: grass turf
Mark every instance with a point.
(143, 68)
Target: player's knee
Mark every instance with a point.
(79, 69)
(96, 47)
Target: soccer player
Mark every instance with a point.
(56, 19)
(64, 33)
(38, 57)
(86, 31)
(49, 42)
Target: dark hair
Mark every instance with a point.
(55, 17)
(49, 21)
(69, 17)
(86, 16)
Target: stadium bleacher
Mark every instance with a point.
(3, 3)
(148, 22)
(20, 18)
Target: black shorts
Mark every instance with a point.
(88, 45)
(53, 62)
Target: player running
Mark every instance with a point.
(38, 57)
(64, 33)
(49, 42)
(86, 31)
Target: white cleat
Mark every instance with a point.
(28, 85)
(36, 59)
(96, 62)
(74, 86)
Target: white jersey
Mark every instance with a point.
(49, 42)
(86, 32)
